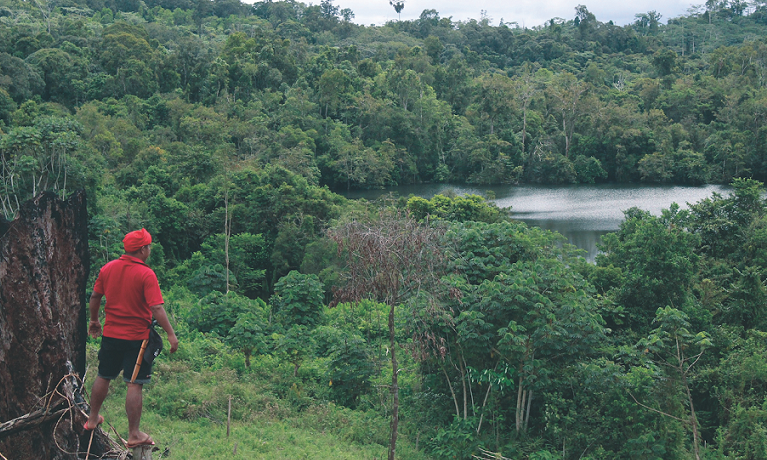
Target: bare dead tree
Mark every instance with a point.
(392, 259)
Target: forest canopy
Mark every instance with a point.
(428, 100)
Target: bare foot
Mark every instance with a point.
(142, 439)
(87, 426)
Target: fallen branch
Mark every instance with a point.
(66, 402)
(487, 455)
(30, 420)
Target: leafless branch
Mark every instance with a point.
(658, 411)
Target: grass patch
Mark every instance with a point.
(185, 411)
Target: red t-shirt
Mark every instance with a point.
(130, 287)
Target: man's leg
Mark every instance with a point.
(133, 406)
(98, 394)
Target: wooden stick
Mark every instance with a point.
(138, 361)
(142, 452)
(90, 442)
(229, 417)
(656, 410)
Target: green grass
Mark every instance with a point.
(185, 411)
(256, 440)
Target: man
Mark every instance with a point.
(132, 297)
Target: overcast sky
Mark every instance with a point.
(527, 13)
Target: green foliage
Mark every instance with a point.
(588, 169)
(656, 256)
(739, 383)
(457, 441)
(209, 279)
(7, 106)
(482, 251)
(218, 312)
(456, 209)
(249, 333)
(349, 370)
(437, 100)
(722, 222)
(295, 345)
(297, 299)
(247, 260)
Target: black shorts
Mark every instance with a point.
(118, 355)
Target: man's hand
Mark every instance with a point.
(173, 342)
(94, 329)
(158, 311)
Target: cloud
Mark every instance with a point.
(527, 13)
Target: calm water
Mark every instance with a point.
(582, 213)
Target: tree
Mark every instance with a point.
(328, 9)
(248, 260)
(295, 344)
(585, 21)
(722, 223)
(588, 169)
(332, 88)
(44, 327)
(398, 6)
(7, 106)
(738, 382)
(546, 314)
(391, 259)
(297, 299)
(406, 85)
(657, 258)
(219, 313)
(19, 79)
(249, 334)
(664, 61)
(121, 43)
(669, 346)
(350, 369)
(58, 70)
(466, 208)
(496, 98)
(565, 93)
(526, 88)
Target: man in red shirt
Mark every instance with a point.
(133, 297)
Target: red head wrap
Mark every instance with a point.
(134, 241)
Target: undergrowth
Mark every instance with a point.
(274, 415)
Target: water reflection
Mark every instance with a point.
(582, 213)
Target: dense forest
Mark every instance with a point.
(436, 328)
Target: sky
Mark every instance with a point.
(526, 13)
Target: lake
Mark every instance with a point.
(582, 213)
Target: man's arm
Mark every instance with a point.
(94, 305)
(158, 311)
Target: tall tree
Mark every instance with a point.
(565, 93)
(398, 6)
(526, 88)
(496, 98)
(391, 259)
(669, 346)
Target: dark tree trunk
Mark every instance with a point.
(44, 265)
(394, 388)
